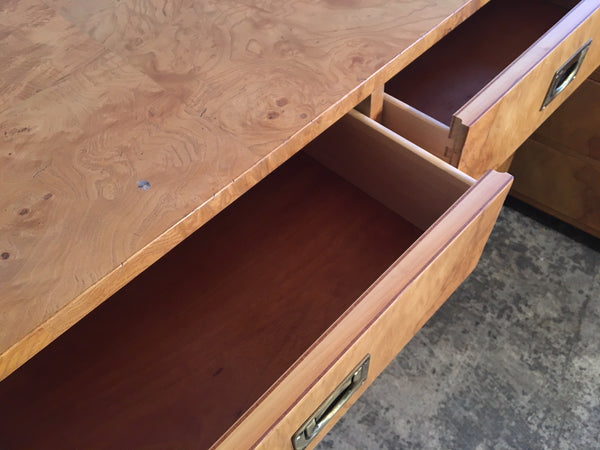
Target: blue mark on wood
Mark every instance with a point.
(144, 184)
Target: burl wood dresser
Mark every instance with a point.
(220, 220)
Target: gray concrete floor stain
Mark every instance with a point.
(511, 361)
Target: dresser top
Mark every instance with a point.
(125, 125)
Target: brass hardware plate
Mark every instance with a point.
(330, 407)
(566, 74)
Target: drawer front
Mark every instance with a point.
(389, 314)
(575, 127)
(558, 168)
(564, 185)
(490, 127)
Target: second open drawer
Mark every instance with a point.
(474, 97)
(240, 333)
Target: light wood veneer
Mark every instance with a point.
(200, 99)
(266, 305)
(161, 139)
(183, 350)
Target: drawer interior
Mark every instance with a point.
(453, 71)
(180, 353)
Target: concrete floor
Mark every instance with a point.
(512, 360)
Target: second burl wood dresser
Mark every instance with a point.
(202, 243)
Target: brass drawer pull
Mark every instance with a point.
(566, 74)
(324, 413)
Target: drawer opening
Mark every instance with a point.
(458, 67)
(185, 349)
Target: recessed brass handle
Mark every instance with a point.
(566, 74)
(330, 407)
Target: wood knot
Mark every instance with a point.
(357, 60)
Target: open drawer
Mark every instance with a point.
(473, 98)
(241, 332)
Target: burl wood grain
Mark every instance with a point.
(127, 125)
(268, 64)
(33, 53)
(174, 358)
